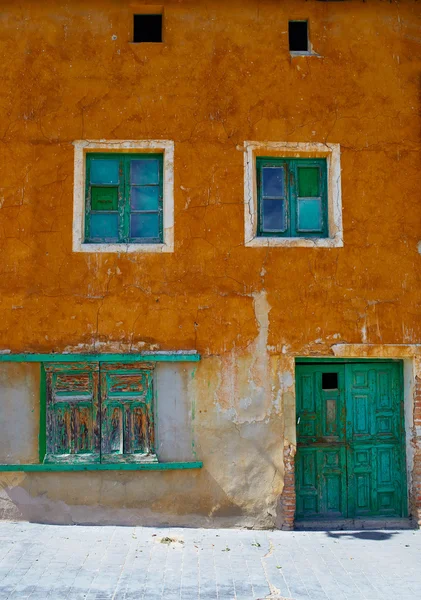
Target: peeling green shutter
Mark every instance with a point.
(127, 429)
(72, 412)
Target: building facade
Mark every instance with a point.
(210, 262)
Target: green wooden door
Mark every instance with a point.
(350, 455)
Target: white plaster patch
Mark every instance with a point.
(82, 147)
(286, 380)
(300, 150)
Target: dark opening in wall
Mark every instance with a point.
(147, 28)
(329, 381)
(298, 36)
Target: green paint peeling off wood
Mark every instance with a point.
(170, 466)
(162, 357)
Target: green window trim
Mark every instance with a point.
(109, 360)
(124, 198)
(292, 197)
(46, 468)
(41, 466)
(186, 356)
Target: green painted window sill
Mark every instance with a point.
(146, 356)
(169, 466)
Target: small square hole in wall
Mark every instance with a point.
(329, 381)
(298, 36)
(147, 28)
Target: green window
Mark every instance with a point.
(292, 197)
(124, 197)
(99, 413)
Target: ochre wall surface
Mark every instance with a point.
(222, 76)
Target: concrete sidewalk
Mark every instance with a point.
(43, 562)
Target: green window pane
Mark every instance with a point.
(104, 171)
(310, 214)
(144, 198)
(144, 172)
(308, 182)
(273, 181)
(104, 225)
(103, 198)
(144, 225)
(274, 218)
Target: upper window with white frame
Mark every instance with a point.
(292, 194)
(123, 197)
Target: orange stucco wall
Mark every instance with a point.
(222, 76)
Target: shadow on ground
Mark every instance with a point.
(375, 536)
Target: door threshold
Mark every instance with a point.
(353, 524)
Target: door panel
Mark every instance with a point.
(376, 469)
(350, 457)
(320, 410)
(321, 459)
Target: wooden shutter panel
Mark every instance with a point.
(127, 429)
(72, 412)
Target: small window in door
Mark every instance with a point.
(329, 381)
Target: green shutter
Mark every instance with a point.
(124, 198)
(127, 429)
(292, 197)
(72, 417)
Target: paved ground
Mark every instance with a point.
(49, 562)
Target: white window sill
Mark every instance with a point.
(266, 242)
(124, 248)
(308, 53)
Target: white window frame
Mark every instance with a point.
(82, 148)
(293, 150)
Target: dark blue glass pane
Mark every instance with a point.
(144, 198)
(274, 215)
(104, 171)
(273, 181)
(104, 225)
(144, 172)
(310, 214)
(144, 225)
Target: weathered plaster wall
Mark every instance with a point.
(223, 75)
(19, 412)
(239, 486)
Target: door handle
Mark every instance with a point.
(298, 420)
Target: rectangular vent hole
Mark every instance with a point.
(147, 28)
(298, 36)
